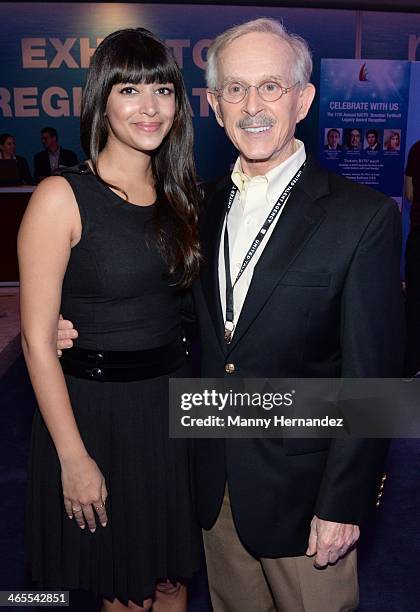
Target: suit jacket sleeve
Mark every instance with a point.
(372, 341)
(67, 158)
(71, 158)
(38, 167)
(24, 173)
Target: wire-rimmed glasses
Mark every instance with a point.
(269, 91)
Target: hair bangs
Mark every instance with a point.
(147, 63)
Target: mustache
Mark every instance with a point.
(260, 121)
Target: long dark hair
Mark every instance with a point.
(138, 56)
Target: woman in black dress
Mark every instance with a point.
(112, 244)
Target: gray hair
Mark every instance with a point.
(302, 66)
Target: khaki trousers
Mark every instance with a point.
(241, 583)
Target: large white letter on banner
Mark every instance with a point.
(33, 49)
(62, 107)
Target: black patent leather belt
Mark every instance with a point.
(124, 366)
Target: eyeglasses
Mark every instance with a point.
(269, 91)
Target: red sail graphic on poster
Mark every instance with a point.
(363, 73)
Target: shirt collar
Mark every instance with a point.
(277, 178)
(242, 180)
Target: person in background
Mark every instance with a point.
(47, 162)
(412, 261)
(8, 151)
(113, 243)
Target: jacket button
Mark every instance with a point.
(384, 478)
(229, 368)
(96, 373)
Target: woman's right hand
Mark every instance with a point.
(84, 491)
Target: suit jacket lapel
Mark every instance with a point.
(211, 230)
(301, 217)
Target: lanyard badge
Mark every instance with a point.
(229, 320)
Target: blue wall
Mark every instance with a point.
(30, 68)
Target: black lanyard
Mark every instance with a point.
(229, 324)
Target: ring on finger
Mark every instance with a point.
(102, 505)
(76, 509)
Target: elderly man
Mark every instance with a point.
(306, 305)
(281, 517)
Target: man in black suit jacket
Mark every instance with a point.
(53, 157)
(320, 298)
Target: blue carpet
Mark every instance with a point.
(389, 553)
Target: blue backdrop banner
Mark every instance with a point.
(46, 47)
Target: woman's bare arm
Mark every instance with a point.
(50, 227)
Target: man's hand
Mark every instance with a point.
(330, 541)
(65, 334)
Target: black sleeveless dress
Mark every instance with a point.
(118, 298)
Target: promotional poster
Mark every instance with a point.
(363, 119)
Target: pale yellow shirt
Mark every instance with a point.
(253, 202)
